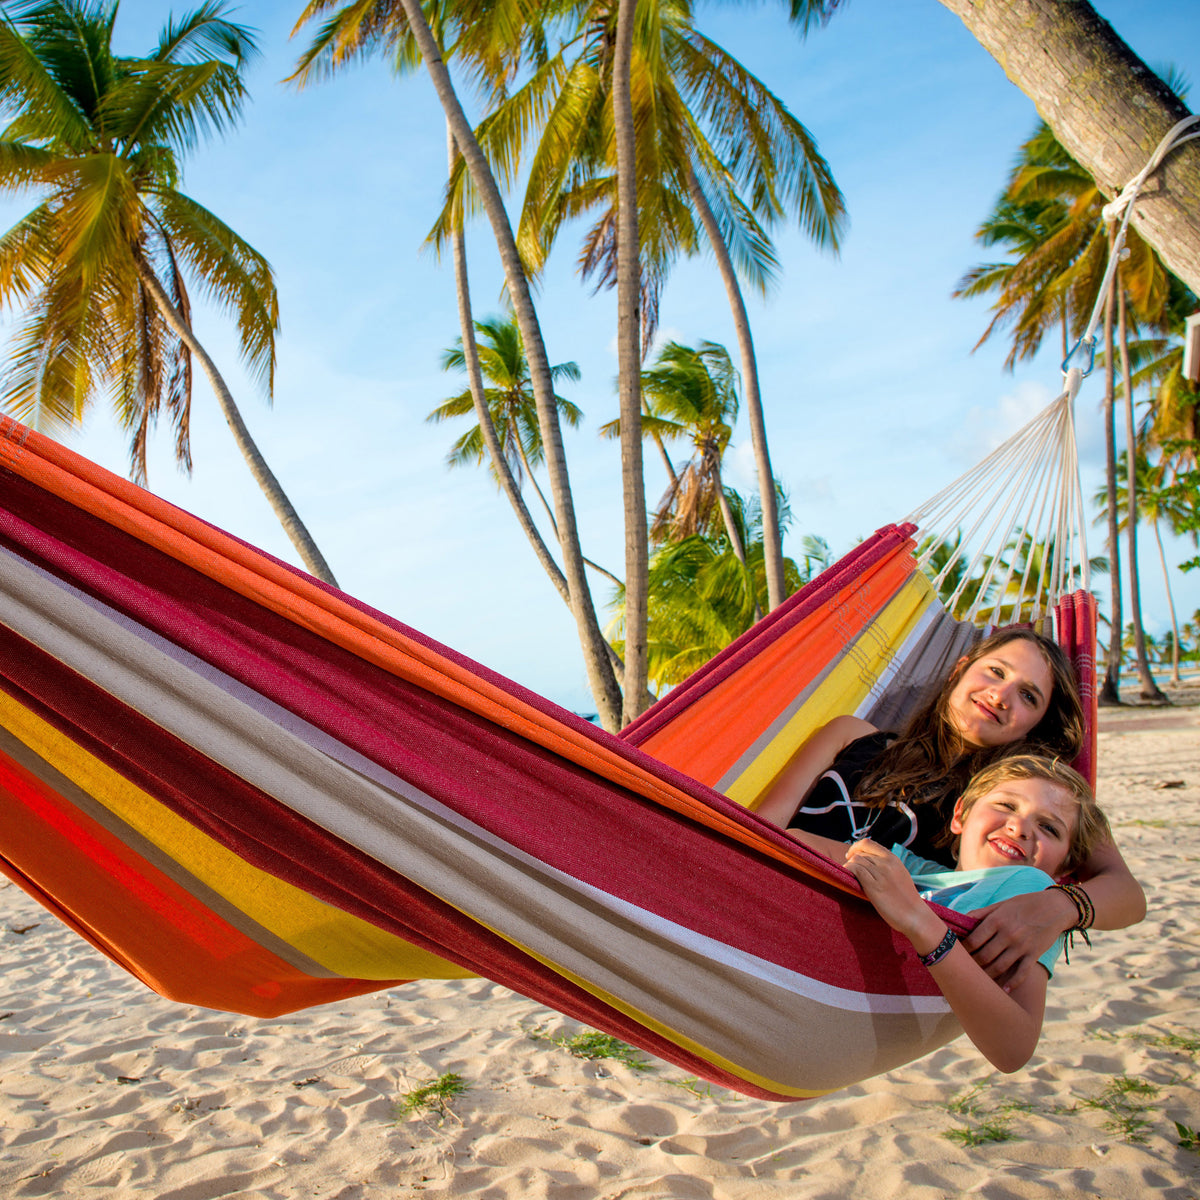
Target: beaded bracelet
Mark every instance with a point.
(1083, 905)
(939, 951)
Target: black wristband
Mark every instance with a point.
(940, 950)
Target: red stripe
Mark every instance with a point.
(136, 915)
(557, 812)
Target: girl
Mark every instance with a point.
(1013, 689)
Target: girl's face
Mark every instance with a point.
(1001, 696)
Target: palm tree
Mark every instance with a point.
(1155, 503)
(1149, 688)
(629, 356)
(691, 394)
(402, 29)
(709, 134)
(508, 395)
(1049, 217)
(98, 266)
(488, 437)
(702, 596)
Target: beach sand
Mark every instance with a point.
(106, 1089)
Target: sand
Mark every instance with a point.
(106, 1089)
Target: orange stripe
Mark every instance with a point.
(244, 570)
(710, 736)
(139, 917)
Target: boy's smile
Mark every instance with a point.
(1020, 822)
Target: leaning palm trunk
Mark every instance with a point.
(1162, 559)
(263, 476)
(772, 540)
(1110, 691)
(1105, 106)
(483, 415)
(629, 283)
(601, 677)
(735, 542)
(1150, 689)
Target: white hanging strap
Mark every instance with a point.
(1023, 501)
(1085, 348)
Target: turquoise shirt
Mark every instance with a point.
(965, 891)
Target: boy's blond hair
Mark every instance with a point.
(1091, 825)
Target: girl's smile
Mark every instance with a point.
(1000, 697)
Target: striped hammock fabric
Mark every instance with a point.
(257, 794)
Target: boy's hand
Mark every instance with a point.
(891, 890)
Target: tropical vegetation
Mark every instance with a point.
(703, 593)
(624, 116)
(97, 270)
(1049, 221)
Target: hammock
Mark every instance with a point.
(256, 794)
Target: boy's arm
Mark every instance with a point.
(1005, 1026)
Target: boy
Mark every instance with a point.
(1021, 824)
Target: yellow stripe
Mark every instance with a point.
(339, 941)
(843, 690)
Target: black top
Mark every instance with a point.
(829, 810)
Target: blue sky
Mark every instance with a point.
(873, 398)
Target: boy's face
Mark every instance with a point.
(1021, 822)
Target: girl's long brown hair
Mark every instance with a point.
(929, 763)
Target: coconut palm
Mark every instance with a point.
(402, 30)
(691, 394)
(508, 394)
(701, 596)
(1049, 217)
(717, 153)
(1156, 503)
(98, 268)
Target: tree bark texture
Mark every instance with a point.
(629, 356)
(483, 415)
(601, 679)
(1106, 107)
(286, 514)
(772, 537)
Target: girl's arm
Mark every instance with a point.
(783, 798)
(836, 851)
(1014, 933)
(1004, 1025)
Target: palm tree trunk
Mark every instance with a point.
(1106, 107)
(483, 414)
(772, 538)
(1110, 690)
(1162, 559)
(601, 679)
(670, 466)
(295, 529)
(1150, 689)
(629, 356)
(735, 542)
